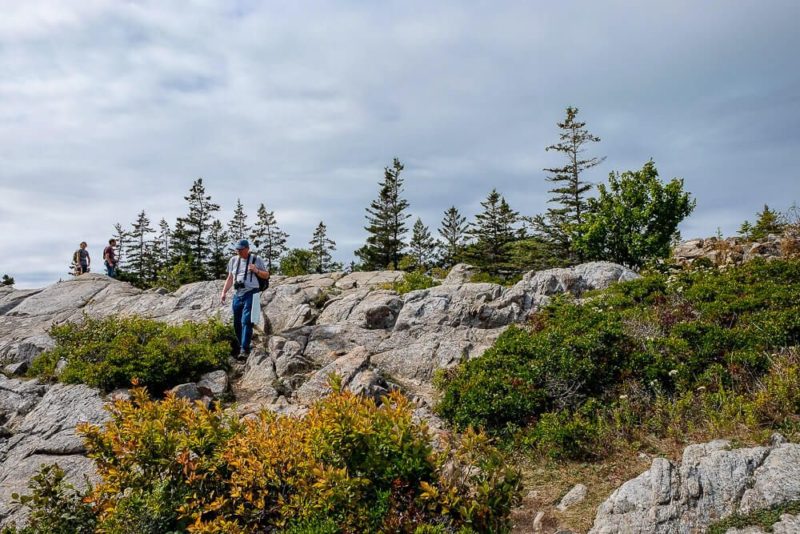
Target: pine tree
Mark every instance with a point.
(121, 237)
(386, 217)
(7, 280)
(560, 226)
(268, 239)
(217, 264)
(237, 227)
(138, 248)
(161, 246)
(197, 224)
(453, 231)
(422, 245)
(768, 222)
(493, 231)
(179, 246)
(322, 247)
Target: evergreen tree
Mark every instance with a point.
(179, 246)
(453, 232)
(197, 224)
(768, 222)
(217, 264)
(7, 280)
(493, 231)
(297, 262)
(138, 248)
(237, 227)
(560, 226)
(121, 237)
(161, 246)
(386, 217)
(422, 245)
(268, 239)
(322, 247)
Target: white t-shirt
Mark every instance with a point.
(244, 275)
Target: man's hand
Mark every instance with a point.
(252, 268)
(222, 297)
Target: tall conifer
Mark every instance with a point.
(493, 231)
(422, 246)
(386, 223)
(269, 241)
(453, 232)
(197, 224)
(321, 247)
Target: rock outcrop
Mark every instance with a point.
(735, 250)
(711, 483)
(312, 326)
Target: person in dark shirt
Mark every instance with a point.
(81, 259)
(110, 258)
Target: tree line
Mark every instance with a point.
(633, 219)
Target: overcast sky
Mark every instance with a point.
(111, 107)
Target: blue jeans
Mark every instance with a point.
(111, 270)
(242, 305)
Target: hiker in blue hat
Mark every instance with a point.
(248, 275)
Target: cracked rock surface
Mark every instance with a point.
(711, 483)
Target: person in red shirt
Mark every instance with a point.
(110, 258)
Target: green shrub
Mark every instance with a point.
(412, 281)
(110, 353)
(56, 507)
(687, 351)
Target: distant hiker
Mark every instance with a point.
(248, 275)
(110, 258)
(81, 259)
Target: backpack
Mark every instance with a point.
(263, 284)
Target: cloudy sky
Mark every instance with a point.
(111, 107)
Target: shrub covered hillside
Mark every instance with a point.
(689, 355)
(110, 353)
(347, 466)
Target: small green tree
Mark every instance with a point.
(217, 263)
(561, 225)
(237, 227)
(196, 226)
(138, 248)
(635, 218)
(422, 245)
(7, 280)
(768, 222)
(492, 231)
(267, 238)
(322, 247)
(453, 231)
(386, 223)
(297, 262)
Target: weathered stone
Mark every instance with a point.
(347, 367)
(711, 483)
(215, 383)
(17, 368)
(460, 273)
(573, 497)
(188, 391)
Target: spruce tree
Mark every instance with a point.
(7, 280)
(138, 248)
(197, 224)
(179, 246)
(386, 223)
(493, 231)
(217, 263)
(121, 237)
(453, 232)
(768, 222)
(237, 227)
(268, 239)
(161, 245)
(422, 245)
(322, 247)
(560, 226)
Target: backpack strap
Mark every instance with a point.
(238, 263)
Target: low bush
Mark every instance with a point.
(674, 353)
(412, 281)
(347, 466)
(110, 353)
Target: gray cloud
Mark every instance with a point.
(109, 108)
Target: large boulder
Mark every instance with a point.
(712, 482)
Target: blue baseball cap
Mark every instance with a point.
(244, 243)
